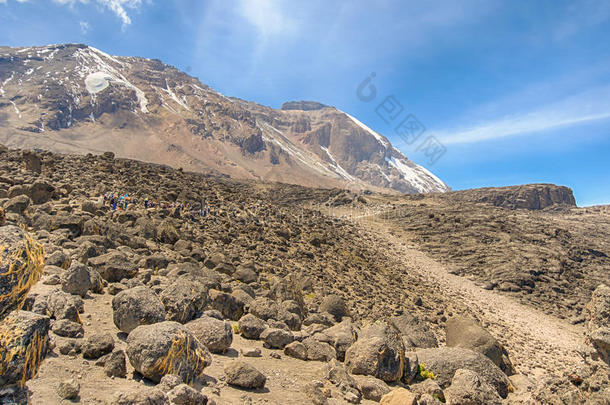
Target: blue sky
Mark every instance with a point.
(517, 91)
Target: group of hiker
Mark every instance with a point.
(124, 201)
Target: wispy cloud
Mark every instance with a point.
(84, 27)
(118, 7)
(581, 108)
(266, 16)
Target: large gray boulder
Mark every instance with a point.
(184, 299)
(378, 352)
(215, 334)
(264, 308)
(136, 306)
(244, 375)
(341, 337)
(467, 388)
(114, 266)
(24, 343)
(21, 266)
(76, 280)
(597, 313)
(251, 327)
(468, 334)
(274, 338)
(414, 332)
(334, 305)
(229, 305)
(445, 361)
(166, 348)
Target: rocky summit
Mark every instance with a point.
(78, 99)
(130, 282)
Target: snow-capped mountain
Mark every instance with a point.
(76, 98)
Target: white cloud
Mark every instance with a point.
(118, 7)
(266, 16)
(581, 108)
(84, 27)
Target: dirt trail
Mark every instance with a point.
(537, 343)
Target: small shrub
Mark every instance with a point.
(236, 329)
(425, 374)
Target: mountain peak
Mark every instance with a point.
(303, 105)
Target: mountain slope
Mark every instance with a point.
(75, 98)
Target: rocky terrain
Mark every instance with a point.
(282, 294)
(75, 98)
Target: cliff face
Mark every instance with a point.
(78, 99)
(529, 196)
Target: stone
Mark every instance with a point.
(250, 352)
(17, 205)
(145, 396)
(167, 348)
(334, 305)
(169, 382)
(371, 388)
(340, 336)
(378, 352)
(296, 350)
(244, 375)
(136, 306)
(319, 351)
(428, 386)
(98, 345)
(276, 338)
(185, 395)
(597, 315)
(213, 333)
(69, 329)
(114, 266)
(467, 333)
(445, 361)
(314, 392)
(250, 326)
(264, 308)
(336, 373)
(76, 280)
(398, 396)
(115, 365)
(467, 388)
(24, 343)
(229, 305)
(68, 389)
(414, 332)
(184, 299)
(21, 266)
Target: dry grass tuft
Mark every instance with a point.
(25, 267)
(182, 352)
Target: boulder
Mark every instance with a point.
(324, 318)
(185, 395)
(245, 274)
(24, 342)
(60, 305)
(319, 351)
(314, 392)
(76, 280)
(445, 361)
(21, 266)
(468, 334)
(41, 192)
(66, 328)
(244, 375)
(98, 345)
(115, 365)
(264, 308)
(597, 314)
(213, 333)
(467, 388)
(296, 350)
(68, 389)
(136, 306)
(276, 338)
(378, 352)
(184, 299)
(414, 332)
(17, 205)
(167, 348)
(114, 266)
(334, 372)
(230, 306)
(251, 327)
(398, 396)
(334, 305)
(428, 386)
(371, 388)
(341, 337)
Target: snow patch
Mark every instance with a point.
(418, 177)
(342, 172)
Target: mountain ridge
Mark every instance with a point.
(78, 99)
